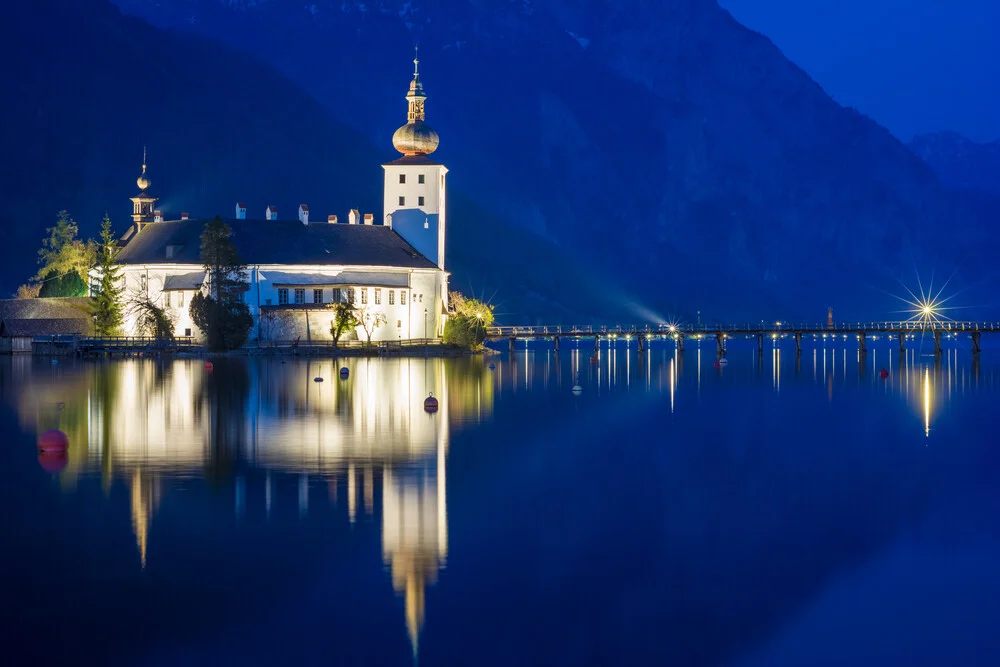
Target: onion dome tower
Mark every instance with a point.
(416, 137)
(144, 202)
(414, 189)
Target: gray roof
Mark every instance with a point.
(44, 327)
(277, 242)
(184, 281)
(47, 308)
(367, 278)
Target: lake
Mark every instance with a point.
(778, 510)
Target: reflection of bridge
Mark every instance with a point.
(721, 332)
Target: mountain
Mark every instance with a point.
(221, 127)
(662, 144)
(960, 163)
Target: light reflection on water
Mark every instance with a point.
(366, 443)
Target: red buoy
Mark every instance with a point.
(209, 366)
(52, 462)
(430, 404)
(718, 364)
(593, 360)
(884, 374)
(53, 441)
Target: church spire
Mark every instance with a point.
(415, 138)
(415, 97)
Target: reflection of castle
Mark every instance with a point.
(144, 422)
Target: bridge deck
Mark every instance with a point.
(590, 331)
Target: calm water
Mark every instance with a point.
(778, 512)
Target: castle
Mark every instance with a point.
(392, 269)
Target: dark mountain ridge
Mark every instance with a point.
(663, 144)
(959, 162)
(221, 127)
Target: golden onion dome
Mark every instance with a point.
(142, 181)
(416, 138)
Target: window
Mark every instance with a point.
(142, 282)
(351, 295)
(399, 324)
(180, 299)
(421, 298)
(378, 297)
(392, 297)
(364, 296)
(282, 296)
(420, 201)
(187, 332)
(337, 297)
(442, 180)
(427, 225)
(317, 296)
(420, 179)
(402, 201)
(267, 302)
(402, 297)
(300, 295)
(402, 179)
(166, 299)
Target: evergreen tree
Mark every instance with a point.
(65, 259)
(221, 313)
(108, 292)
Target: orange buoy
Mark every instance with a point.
(884, 374)
(593, 360)
(53, 441)
(52, 462)
(430, 404)
(209, 365)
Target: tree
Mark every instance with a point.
(344, 319)
(150, 319)
(467, 321)
(108, 292)
(221, 313)
(370, 320)
(29, 291)
(65, 260)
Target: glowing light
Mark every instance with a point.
(926, 307)
(927, 403)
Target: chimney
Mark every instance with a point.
(241, 211)
(184, 215)
(369, 218)
(304, 214)
(332, 219)
(388, 220)
(271, 213)
(352, 217)
(157, 216)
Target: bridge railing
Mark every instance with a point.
(740, 328)
(112, 342)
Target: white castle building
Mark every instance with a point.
(393, 267)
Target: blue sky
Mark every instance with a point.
(913, 65)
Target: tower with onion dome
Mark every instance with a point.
(414, 192)
(143, 204)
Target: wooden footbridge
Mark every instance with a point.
(112, 346)
(643, 334)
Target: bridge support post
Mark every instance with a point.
(680, 342)
(798, 342)
(513, 348)
(597, 344)
(862, 343)
(555, 342)
(937, 343)
(642, 343)
(975, 342)
(720, 345)
(902, 343)
(760, 345)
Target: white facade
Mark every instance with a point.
(295, 302)
(418, 188)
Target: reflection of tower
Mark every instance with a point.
(415, 529)
(145, 494)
